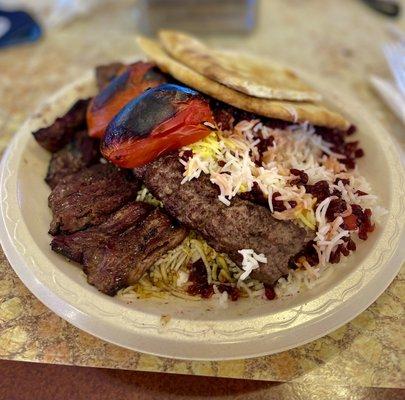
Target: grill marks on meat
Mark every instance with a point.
(74, 246)
(97, 222)
(119, 251)
(82, 152)
(106, 73)
(70, 144)
(61, 132)
(124, 259)
(88, 197)
(227, 229)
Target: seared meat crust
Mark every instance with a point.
(62, 131)
(242, 225)
(82, 152)
(124, 259)
(88, 197)
(106, 73)
(77, 244)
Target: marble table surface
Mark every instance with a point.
(340, 41)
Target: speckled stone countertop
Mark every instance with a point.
(336, 39)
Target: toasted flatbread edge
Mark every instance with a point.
(172, 40)
(285, 110)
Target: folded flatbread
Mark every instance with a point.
(300, 112)
(259, 77)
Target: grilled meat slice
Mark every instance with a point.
(242, 225)
(124, 259)
(226, 116)
(82, 152)
(74, 246)
(88, 197)
(61, 132)
(106, 73)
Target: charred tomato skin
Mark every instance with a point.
(161, 120)
(129, 84)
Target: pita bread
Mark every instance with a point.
(245, 73)
(284, 110)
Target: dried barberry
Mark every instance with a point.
(269, 292)
(278, 205)
(320, 190)
(336, 207)
(302, 177)
(233, 292)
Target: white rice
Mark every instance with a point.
(250, 262)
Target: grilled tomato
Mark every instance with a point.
(160, 120)
(133, 81)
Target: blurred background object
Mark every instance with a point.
(394, 53)
(53, 13)
(17, 27)
(198, 16)
(391, 8)
(392, 91)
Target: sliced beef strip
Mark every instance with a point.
(106, 73)
(61, 132)
(242, 225)
(82, 152)
(124, 259)
(74, 246)
(88, 197)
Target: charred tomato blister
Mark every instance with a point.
(133, 81)
(161, 120)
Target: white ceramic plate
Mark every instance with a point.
(197, 330)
